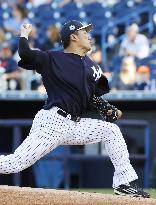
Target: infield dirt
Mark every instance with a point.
(11, 195)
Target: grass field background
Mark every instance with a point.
(110, 191)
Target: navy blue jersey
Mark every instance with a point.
(70, 80)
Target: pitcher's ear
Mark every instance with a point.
(73, 37)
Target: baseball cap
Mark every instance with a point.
(72, 26)
(143, 69)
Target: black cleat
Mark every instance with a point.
(131, 190)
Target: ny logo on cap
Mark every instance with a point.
(72, 27)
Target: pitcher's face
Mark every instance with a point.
(84, 40)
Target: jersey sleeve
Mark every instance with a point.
(102, 86)
(30, 59)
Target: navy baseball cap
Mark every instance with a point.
(72, 26)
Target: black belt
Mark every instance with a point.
(73, 117)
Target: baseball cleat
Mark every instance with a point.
(132, 190)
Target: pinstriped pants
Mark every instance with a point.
(49, 130)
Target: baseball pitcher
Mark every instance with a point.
(73, 82)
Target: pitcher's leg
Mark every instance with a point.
(35, 146)
(91, 131)
(118, 153)
(48, 131)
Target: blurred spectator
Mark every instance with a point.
(143, 81)
(34, 37)
(2, 35)
(106, 2)
(37, 3)
(62, 3)
(13, 24)
(96, 56)
(134, 44)
(126, 78)
(52, 40)
(30, 79)
(33, 42)
(9, 72)
(138, 1)
(36, 81)
(13, 2)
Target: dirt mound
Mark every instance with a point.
(10, 195)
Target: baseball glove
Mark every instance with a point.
(107, 111)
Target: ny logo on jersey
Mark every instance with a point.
(97, 72)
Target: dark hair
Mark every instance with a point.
(66, 42)
(22, 10)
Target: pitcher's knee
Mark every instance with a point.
(11, 170)
(10, 164)
(22, 164)
(17, 167)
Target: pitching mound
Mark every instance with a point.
(30, 196)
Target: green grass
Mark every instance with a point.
(110, 191)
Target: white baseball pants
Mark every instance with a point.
(50, 129)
